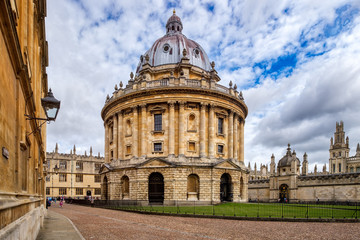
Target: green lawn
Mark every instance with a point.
(268, 210)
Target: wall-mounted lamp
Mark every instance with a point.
(51, 107)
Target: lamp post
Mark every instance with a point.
(56, 171)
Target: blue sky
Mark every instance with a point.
(297, 63)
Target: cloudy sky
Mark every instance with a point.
(297, 63)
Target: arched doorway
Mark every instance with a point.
(156, 188)
(105, 189)
(193, 187)
(242, 188)
(88, 193)
(125, 187)
(225, 188)
(284, 193)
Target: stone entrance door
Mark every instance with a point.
(156, 188)
(284, 193)
(225, 188)
(88, 193)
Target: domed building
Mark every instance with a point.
(174, 133)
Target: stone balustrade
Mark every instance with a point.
(134, 86)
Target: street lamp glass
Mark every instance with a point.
(51, 106)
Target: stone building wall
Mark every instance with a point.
(77, 167)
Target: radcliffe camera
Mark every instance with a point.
(177, 120)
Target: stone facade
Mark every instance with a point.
(173, 133)
(341, 183)
(78, 175)
(23, 62)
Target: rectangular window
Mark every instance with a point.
(79, 191)
(97, 166)
(358, 169)
(157, 122)
(62, 177)
(79, 165)
(97, 191)
(220, 149)
(191, 147)
(339, 154)
(79, 178)
(62, 191)
(47, 178)
(351, 169)
(97, 178)
(220, 125)
(157, 147)
(62, 165)
(333, 168)
(339, 167)
(128, 149)
(47, 191)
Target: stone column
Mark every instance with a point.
(107, 142)
(120, 145)
(135, 132)
(211, 131)
(202, 129)
(115, 137)
(171, 127)
(111, 139)
(241, 145)
(181, 128)
(236, 137)
(230, 135)
(143, 130)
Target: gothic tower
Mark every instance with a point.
(339, 150)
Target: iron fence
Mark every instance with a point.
(302, 210)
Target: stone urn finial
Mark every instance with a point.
(121, 84)
(147, 58)
(184, 52)
(213, 65)
(131, 75)
(235, 87)
(230, 84)
(116, 87)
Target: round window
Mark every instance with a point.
(166, 47)
(196, 52)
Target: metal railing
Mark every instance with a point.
(304, 210)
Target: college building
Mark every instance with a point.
(173, 132)
(292, 181)
(73, 175)
(23, 84)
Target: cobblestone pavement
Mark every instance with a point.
(96, 223)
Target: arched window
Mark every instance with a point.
(128, 127)
(104, 187)
(193, 189)
(192, 122)
(125, 189)
(173, 28)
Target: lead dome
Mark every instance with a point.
(169, 49)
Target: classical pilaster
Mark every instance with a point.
(135, 132)
(115, 137)
(236, 137)
(241, 145)
(181, 128)
(120, 145)
(202, 129)
(231, 136)
(107, 142)
(143, 130)
(211, 131)
(171, 127)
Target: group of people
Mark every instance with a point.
(51, 200)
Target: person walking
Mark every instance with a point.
(61, 203)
